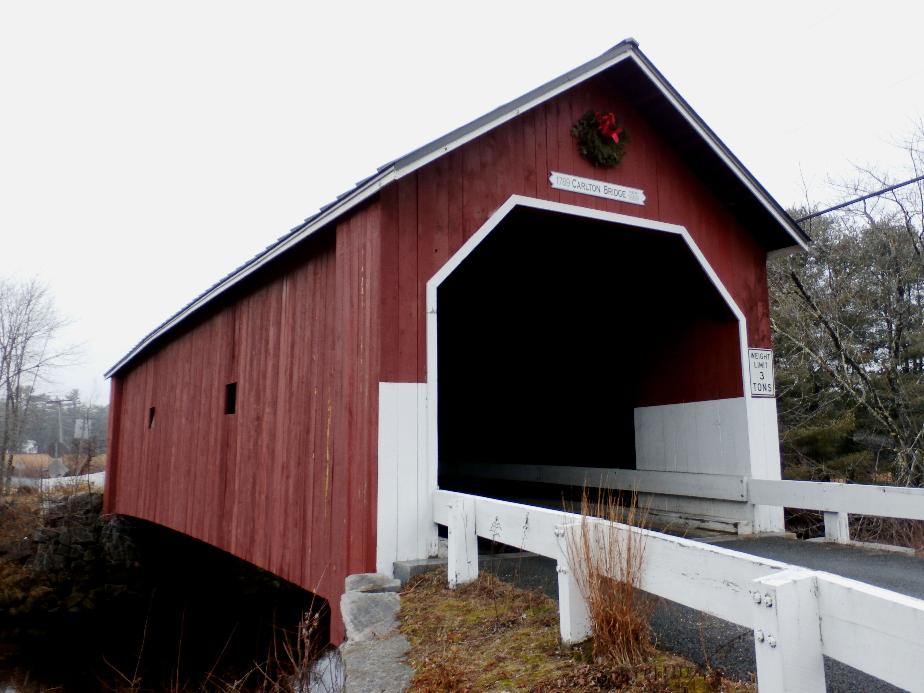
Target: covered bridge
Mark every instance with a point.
(495, 311)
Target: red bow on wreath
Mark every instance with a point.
(606, 124)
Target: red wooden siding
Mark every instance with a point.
(429, 214)
(288, 481)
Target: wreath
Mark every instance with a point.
(601, 140)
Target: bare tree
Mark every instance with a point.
(29, 325)
(848, 320)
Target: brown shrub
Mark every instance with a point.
(606, 559)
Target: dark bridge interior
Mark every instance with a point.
(555, 328)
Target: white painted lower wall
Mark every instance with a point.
(736, 436)
(708, 437)
(405, 527)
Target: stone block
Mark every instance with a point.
(368, 615)
(405, 570)
(371, 582)
(377, 666)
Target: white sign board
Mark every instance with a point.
(597, 188)
(762, 383)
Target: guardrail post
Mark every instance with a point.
(574, 622)
(463, 542)
(787, 633)
(836, 527)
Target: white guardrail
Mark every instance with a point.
(837, 500)
(797, 615)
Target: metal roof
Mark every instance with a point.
(393, 170)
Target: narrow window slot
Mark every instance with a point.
(230, 398)
(151, 413)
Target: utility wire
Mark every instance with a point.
(859, 199)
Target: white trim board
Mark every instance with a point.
(404, 512)
(859, 499)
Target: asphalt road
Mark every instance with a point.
(729, 647)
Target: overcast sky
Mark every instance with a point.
(146, 149)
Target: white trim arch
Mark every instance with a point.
(759, 441)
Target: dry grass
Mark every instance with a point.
(20, 518)
(490, 636)
(607, 561)
(888, 530)
(291, 666)
(35, 465)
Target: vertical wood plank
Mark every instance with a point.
(407, 279)
(837, 527)
(787, 633)
(340, 475)
(388, 484)
(390, 297)
(432, 245)
(543, 166)
(462, 563)
(574, 621)
(552, 152)
(456, 219)
(407, 472)
(527, 143)
(373, 375)
(427, 541)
